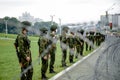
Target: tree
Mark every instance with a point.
(6, 18)
(26, 23)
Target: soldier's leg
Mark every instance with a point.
(81, 50)
(86, 46)
(30, 72)
(77, 51)
(24, 71)
(52, 61)
(23, 75)
(71, 57)
(64, 55)
(90, 47)
(99, 42)
(44, 68)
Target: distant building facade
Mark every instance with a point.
(27, 17)
(114, 19)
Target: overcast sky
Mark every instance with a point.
(68, 10)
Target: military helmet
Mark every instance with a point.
(92, 32)
(65, 28)
(81, 31)
(53, 27)
(43, 29)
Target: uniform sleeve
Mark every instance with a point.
(16, 47)
(40, 46)
(22, 48)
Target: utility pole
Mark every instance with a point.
(6, 27)
(60, 25)
(52, 16)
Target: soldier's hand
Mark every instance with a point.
(28, 59)
(73, 49)
(49, 56)
(21, 65)
(45, 57)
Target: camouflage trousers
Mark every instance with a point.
(27, 72)
(44, 66)
(52, 59)
(64, 55)
(79, 50)
(86, 46)
(71, 55)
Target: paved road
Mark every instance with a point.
(99, 65)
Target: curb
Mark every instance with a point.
(75, 64)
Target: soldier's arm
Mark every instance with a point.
(22, 48)
(16, 47)
(40, 44)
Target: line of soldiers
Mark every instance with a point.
(47, 48)
(75, 42)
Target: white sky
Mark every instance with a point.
(68, 10)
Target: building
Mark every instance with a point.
(116, 20)
(27, 17)
(103, 20)
(113, 19)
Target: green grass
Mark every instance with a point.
(9, 66)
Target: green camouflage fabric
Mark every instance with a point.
(91, 38)
(87, 36)
(22, 44)
(71, 43)
(63, 44)
(53, 41)
(43, 44)
(23, 48)
(79, 45)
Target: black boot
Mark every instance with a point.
(44, 77)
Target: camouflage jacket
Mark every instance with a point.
(22, 44)
(43, 44)
(71, 41)
(53, 40)
(78, 41)
(63, 40)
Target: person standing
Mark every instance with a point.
(82, 43)
(71, 43)
(79, 43)
(63, 44)
(43, 44)
(22, 45)
(53, 41)
(87, 36)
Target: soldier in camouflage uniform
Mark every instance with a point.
(53, 41)
(87, 36)
(43, 44)
(79, 43)
(63, 44)
(22, 44)
(97, 38)
(71, 43)
(91, 38)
